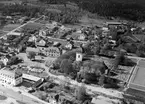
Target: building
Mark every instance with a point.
(4, 60)
(10, 76)
(82, 37)
(42, 32)
(41, 43)
(52, 52)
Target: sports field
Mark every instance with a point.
(138, 78)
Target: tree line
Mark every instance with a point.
(108, 8)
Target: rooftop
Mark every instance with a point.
(114, 23)
(13, 72)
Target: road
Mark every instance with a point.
(20, 96)
(97, 89)
(31, 21)
(60, 78)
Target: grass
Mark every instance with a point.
(10, 27)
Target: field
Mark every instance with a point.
(10, 27)
(2, 33)
(138, 78)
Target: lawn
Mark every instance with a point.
(10, 27)
(2, 33)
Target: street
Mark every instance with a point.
(18, 96)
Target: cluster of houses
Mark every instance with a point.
(49, 40)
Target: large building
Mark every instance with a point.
(10, 76)
(53, 52)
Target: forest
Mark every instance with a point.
(128, 9)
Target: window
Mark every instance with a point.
(79, 56)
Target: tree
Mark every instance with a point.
(81, 94)
(101, 80)
(118, 59)
(31, 55)
(66, 66)
(14, 60)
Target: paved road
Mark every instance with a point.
(20, 96)
(60, 78)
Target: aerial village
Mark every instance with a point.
(63, 65)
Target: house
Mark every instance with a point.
(42, 32)
(14, 33)
(81, 37)
(41, 42)
(52, 52)
(4, 60)
(69, 45)
(29, 49)
(10, 76)
(108, 24)
(32, 39)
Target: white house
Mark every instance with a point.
(4, 60)
(42, 33)
(10, 77)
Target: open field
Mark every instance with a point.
(2, 33)
(138, 77)
(10, 27)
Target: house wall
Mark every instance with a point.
(6, 79)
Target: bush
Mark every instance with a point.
(31, 55)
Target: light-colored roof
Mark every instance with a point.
(10, 72)
(114, 23)
(31, 77)
(29, 49)
(14, 33)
